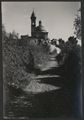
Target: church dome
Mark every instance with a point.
(41, 27)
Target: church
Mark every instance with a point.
(37, 31)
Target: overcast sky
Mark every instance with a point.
(57, 17)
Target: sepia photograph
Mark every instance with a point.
(42, 59)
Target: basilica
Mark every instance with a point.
(38, 33)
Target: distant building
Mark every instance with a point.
(37, 31)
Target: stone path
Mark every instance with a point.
(39, 85)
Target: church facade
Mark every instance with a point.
(37, 31)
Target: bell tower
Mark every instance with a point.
(33, 24)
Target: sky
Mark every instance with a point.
(56, 17)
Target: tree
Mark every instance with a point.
(77, 24)
(4, 35)
(14, 35)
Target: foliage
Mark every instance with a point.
(13, 56)
(67, 47)
(77, 25)
(40, 53)
(13, 68)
